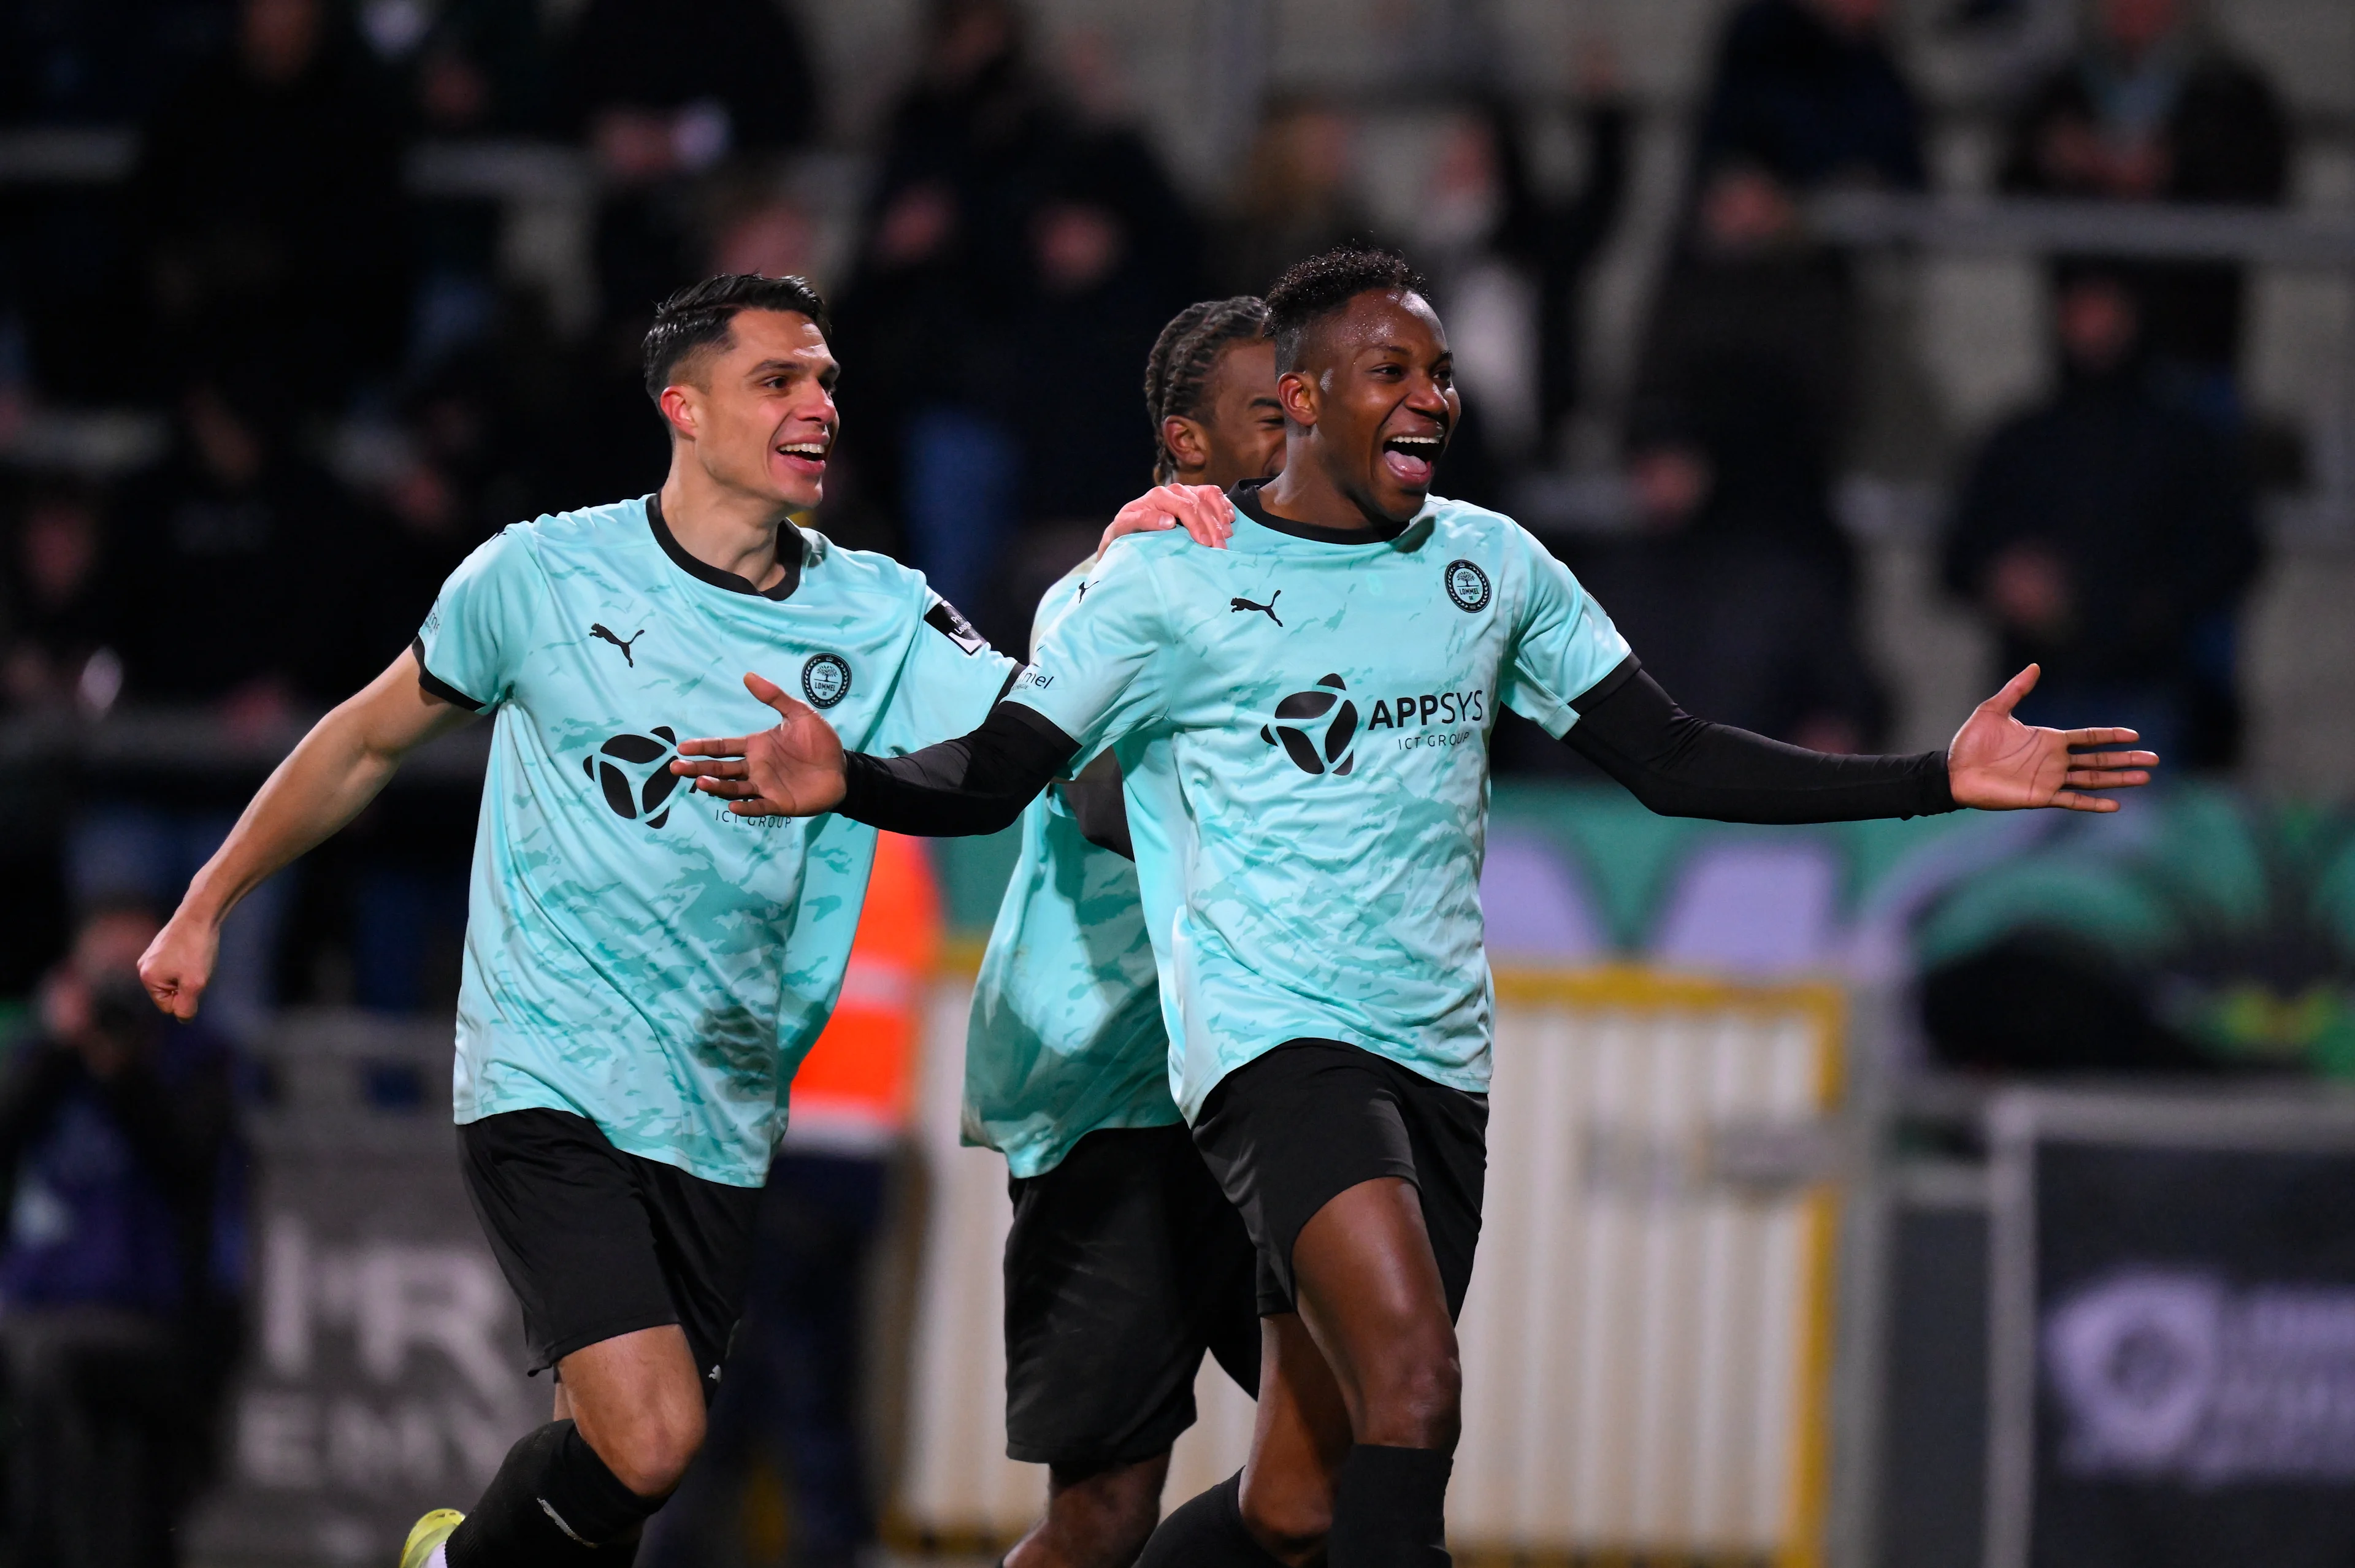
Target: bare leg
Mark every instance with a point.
(1370, 1295)
(1298, 1444)
(1097, 1518)
(638, 1402)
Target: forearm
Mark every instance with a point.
(976, 783)
(1681, 766)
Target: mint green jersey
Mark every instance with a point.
(635, 952)
(1303, 721)
(1066, 1034)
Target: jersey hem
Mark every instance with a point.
(628, 1143)
(1190, 1107)
(1027, 1163)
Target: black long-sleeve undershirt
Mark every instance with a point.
(1676, 764)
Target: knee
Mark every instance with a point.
(1415, 1397)
(649, 1452)
(1291, 1523)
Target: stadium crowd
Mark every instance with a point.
(354, 387)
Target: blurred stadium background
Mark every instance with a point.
(1967, 1191)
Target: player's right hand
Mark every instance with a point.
(792, 769)
(178, 963)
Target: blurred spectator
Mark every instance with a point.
(60, 609)
(1507, 262)
(269, 191)
(1740, 629)
(478, 69)
(1809, 91)
(1298, 196)
(1749, 361)
(125, 1260)
(2108, 535)
(2154, 109)
(663, 92)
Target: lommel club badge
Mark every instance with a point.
(1467, 585)
(825, 680)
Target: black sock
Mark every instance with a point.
(553, 1503)
(1206, 1532)
(1390, 1510)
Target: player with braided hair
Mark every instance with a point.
(1125, 1261)
(1209, 384)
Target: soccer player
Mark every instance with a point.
(643, 970)
(1125, 1261)
(1301, 720)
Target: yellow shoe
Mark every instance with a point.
(428, 1533)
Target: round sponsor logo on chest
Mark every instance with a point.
(1467, 585)
(825, 680)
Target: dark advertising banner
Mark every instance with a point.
(384, 1375)
(2175, 1338)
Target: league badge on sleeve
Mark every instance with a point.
(943, 618)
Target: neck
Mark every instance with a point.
(1305, 493)
(721, 526)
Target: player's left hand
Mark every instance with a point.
(1997, 764)
(1202, 510)
(792, 769)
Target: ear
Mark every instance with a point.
(1295, 391)
(679, 410)
(1187, 442)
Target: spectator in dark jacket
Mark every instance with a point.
(121, 1274)
(59, 610)
(1808, 90)
(269, 188)
(2108, 535)
(2153, 111)
(662, 93)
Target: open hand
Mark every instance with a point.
(792, 769)
(178, 963)
(1202, 510)
(1997, 764)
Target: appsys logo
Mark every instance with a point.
(1315, 728)
(633, 773)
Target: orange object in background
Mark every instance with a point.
(856, 1087)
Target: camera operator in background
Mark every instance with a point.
(122, 1267)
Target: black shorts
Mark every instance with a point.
(1290, 1132)
(1124, 1263)
(596, 1242)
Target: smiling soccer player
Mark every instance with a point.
(1308, 803)
(643, 970)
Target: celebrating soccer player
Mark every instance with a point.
(1125, 1261)
(644, 969)
(1302, 722)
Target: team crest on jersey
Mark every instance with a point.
(825, 680)
(1315, 728)
(633, 773)
(1467, 585)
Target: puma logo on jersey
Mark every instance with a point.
(606, 633)
(1238, 605)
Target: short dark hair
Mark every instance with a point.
(1183, 358)
(697, 317)
(1320, 286)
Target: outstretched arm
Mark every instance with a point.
(323, 783)
(976, 783)
(1682, 766)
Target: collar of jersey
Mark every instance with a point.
(789, 555)
(1245, 497)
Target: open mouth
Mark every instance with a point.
(806, 457)
(1410, 460)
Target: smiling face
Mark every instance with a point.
(1374, 395)
(1238, 432)
(759, 409)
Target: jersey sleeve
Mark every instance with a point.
(480, 624)
(1562, 645)
(947, 683)
(1088, 672)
